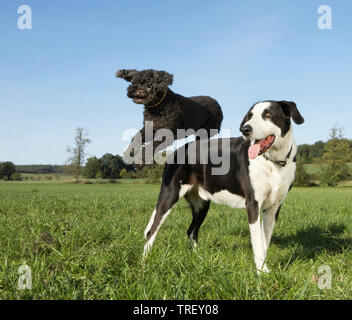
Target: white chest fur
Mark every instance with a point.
(270, 182)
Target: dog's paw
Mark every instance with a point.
(264, 269)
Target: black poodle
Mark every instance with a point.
(167, 109)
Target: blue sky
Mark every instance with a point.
(60, 74)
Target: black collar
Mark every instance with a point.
(281, 163)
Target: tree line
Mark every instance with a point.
(112, 167)
(311, 153)
(42, 168)
(332, 157)
(109, 166)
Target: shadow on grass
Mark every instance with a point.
(314, 240)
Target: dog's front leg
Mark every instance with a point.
(257, 237)
(268, 223)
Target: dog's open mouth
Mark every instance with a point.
(260, 146)
(138, 100)
(138, 96)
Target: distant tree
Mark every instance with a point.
(318, 149)
(154, 173)
(40, 168)
(303, 152)
(7, 169)
(16, 177)
(337, 153)
(92, 167)
(336, 132)
(124, 174)
(145, 171)
(152, 177)
(76, 161)
(310, 153)
(302, 178)
(99, 175)
(111, 166)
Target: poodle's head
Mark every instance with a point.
(147, 86)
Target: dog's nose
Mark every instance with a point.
(246, 130)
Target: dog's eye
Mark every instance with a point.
(267, 115)
(250, 116)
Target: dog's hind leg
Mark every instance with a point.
(200, 209)
(165, 203)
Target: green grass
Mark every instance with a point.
(86, 241)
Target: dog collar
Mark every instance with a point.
(162, 99)
(281, 163)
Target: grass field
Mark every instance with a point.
(85, 242)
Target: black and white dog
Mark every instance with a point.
(262, 170)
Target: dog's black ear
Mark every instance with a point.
(126, 74)
(165, 78)
(290, 110)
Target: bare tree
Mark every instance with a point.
(77, 152)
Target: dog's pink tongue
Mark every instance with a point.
(253, 151)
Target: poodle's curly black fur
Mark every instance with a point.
(168, 109)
